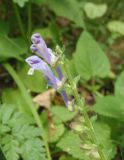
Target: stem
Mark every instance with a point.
(80, 103)
(29, 19)
(28, 100)
(20, 23)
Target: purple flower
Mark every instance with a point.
(40, 48)
(38, 64)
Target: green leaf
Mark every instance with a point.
(10, 95)
(20, 3)
(95, 10)
(65, 115)
(68, 9)
(25, 132)
(59, 130)
(103, 134)
(20, 137)
(2, 157)
(9, 49)
(110, 106)
(35, 83)
(33, 150)
(71, 143)
(116, 26)
(119, 86)
(90, 60)
(10, 147)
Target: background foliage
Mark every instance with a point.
(91, 32)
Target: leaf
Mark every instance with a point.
(9, 49)
(65, 115)
(116, 26)
(95, 10)
(10, 95)
(20, 137)
(68, 9)
(10, 147)
(20, 3)
(2, 157)
(119, 86)
(56, 132)
(71, 143)
(90, 60)
(33, 150)
(103, 134)
(35, 83)
(110, 106)
(25, 132)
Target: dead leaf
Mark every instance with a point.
(45, 98)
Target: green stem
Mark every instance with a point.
(19, 21)
(29, 19)
(80, 103)
(28, 100)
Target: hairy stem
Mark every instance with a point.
(28, 100)
(86, 117)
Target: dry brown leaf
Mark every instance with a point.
(45, 98)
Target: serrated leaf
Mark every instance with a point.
(95, 10)
(103, 134)
(119, 86)
(71, 143)
(21, 3)
(68, 9)
(33, 150)
(26, 131)
(35, 83)
(90, 60)
(19, 135)
(10, 146)
(110, 106)
(116, 26)
(62, 113)
(9, 49)
(6, 113)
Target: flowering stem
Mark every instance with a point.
(28, 100)
(86, 117)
